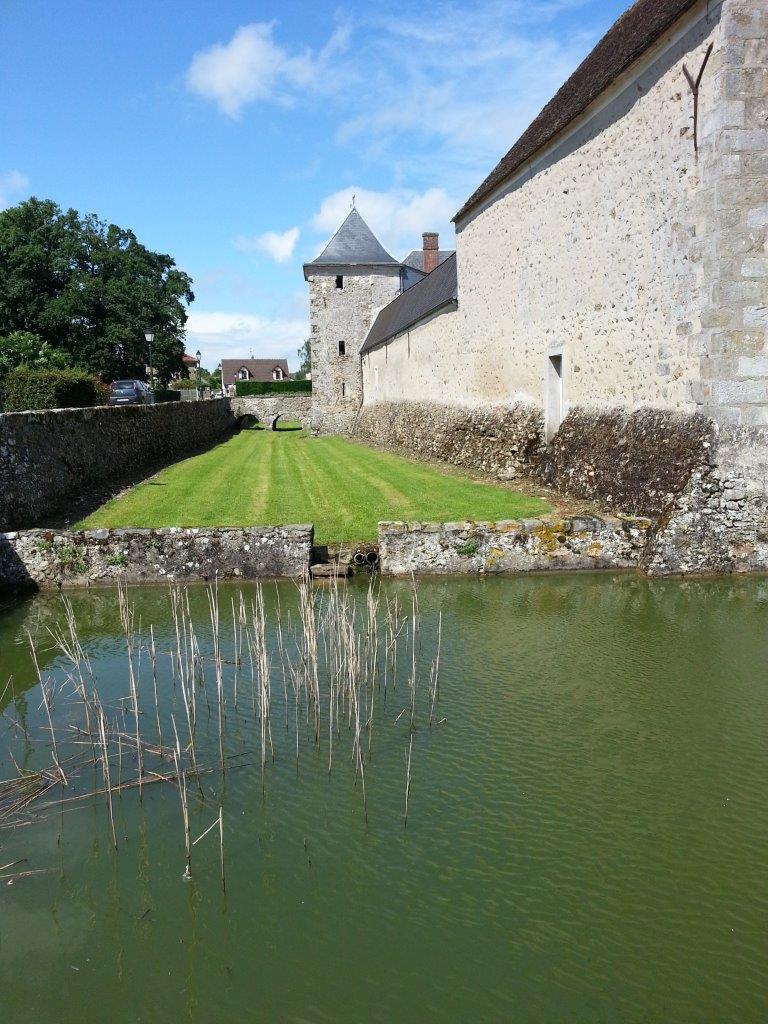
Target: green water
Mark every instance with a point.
(586, 838)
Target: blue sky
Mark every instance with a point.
(231, 135)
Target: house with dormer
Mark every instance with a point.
(265, 370)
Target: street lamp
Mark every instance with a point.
(149, 337)
(198, 357)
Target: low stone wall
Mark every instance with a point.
(502, 440)
(529, 545)
(49, 459)
(634, 462)
(50, 558)
(264, 407)
(719, 523)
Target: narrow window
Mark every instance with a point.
(554, 394)
(339, 280)
(343, 390)
(342, 348)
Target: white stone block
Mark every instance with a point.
(739, 392)
(758, 217)
(756, 366)
(756, 316)
(755, 266)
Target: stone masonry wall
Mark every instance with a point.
(530, 545)
(587, 251)
(641, 261)
(594, 249)
(504, 441)
(343, 314)
(422, 365)
(50, 558)
(719, 523)
(636, 462)
(49, 458)
(264, 407)
(729, 334)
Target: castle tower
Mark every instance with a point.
(349, 282)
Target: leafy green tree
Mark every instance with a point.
(22, 348)
(90, 289)
(209, 378)
(305, 361)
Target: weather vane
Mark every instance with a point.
(353, 200)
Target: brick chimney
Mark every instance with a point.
(431, 250)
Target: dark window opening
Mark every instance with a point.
(343, 390)
(342, 348)
(339, 280)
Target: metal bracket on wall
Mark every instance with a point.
(695, 90)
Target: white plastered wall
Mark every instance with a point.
(601, 247)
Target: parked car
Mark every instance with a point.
(129, 392)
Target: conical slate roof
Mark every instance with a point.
(353, 243)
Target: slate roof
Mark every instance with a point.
(409, 307)
(629, 37)
(415, 258)
(353, 244)
(259, 369)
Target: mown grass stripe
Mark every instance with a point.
(263, 477)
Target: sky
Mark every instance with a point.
(233, 135)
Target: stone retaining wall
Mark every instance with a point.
(264, 407)
(634, 462)
(50, 558)
(503, 440)
(719, 523)
(48, 459)
(529, 545)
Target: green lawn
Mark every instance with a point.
(267, 478)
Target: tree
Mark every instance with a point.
(90, 290)
(212, 378)
(21, 348)
(305, 361)
(208, 379)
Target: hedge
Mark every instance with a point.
(169, 395)
(26, 389)
(272, 387)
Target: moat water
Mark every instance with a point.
(586, 839)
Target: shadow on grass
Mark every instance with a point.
(73, 507)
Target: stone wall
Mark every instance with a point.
(640, 262)
(719, 523)
(530, 545)
(504, 441)
(48, 459)
(632, 462)
(264, 407)
(594, 250)
(729, 334)
(343, 315)
(424, 364)
(49, 558)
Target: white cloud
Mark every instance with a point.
(396, 216)
(11, 184)
(232, 335)
(277, 245)
(253, 67)
(438, 93)
(463, 113)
